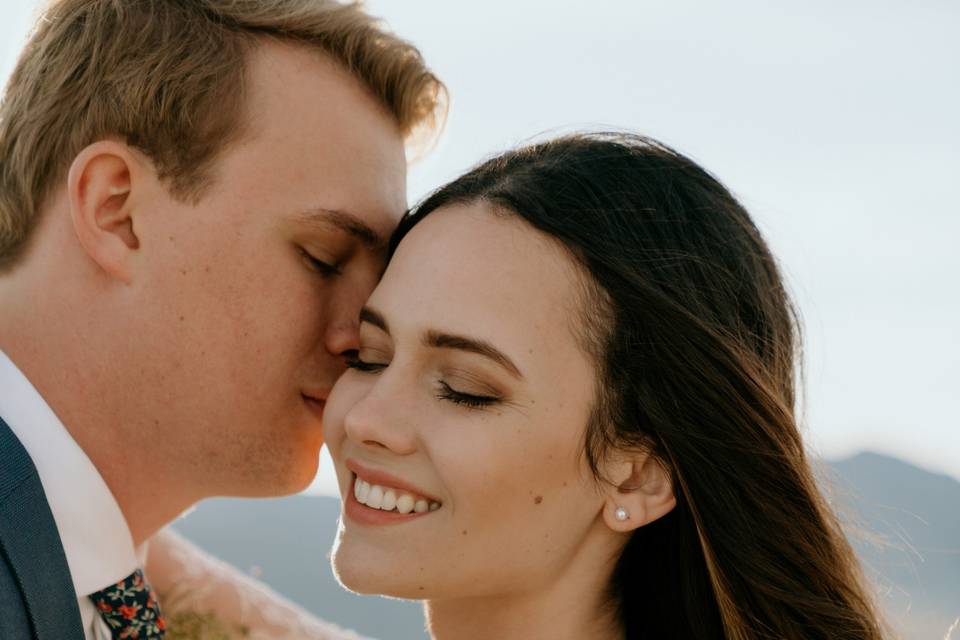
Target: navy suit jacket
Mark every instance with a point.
(37, 599)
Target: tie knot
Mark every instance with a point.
(130, 609)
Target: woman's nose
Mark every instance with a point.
(380, 421)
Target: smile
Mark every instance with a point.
(379, 498)
(389, 499)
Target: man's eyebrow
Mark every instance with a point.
(471, 345)
(347, 222)
(374, 317)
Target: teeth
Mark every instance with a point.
(389, 500)
(386, 499)
(375, 498)
(405, 503)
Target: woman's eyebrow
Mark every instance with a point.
(374, 317)
(440, 340)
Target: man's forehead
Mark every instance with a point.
(328, 141)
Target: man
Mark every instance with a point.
(194, 202)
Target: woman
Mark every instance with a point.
(572, 413)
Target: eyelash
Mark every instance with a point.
(464, 399)
(446, 392)
(355, 363)
(321, 267)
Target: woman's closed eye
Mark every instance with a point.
(473, 401)
(356, 363)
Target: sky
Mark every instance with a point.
(836, 124)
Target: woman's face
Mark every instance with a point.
(468, 405)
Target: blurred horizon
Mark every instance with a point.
(834, 124)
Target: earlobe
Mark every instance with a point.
(641, 493)
(100, 184)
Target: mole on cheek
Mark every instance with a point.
(538, 500)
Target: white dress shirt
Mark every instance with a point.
(95, 535)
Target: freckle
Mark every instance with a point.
(183, 272)
(207, 270)
(421, 588)
(564, 484)
(464, 532)
(538, 500)
(182, 318)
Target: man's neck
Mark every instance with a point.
(77, 383)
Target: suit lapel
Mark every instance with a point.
(31, 543)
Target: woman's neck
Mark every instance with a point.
(515, 618)
(575, 605)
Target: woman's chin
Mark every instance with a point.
(365, 586)
(365, 577)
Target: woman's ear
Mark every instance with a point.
(641, 492)
(100, 186)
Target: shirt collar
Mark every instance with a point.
(95, 535)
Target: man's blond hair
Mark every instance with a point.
(166, 76)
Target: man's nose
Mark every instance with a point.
(342, 337)
(342, 331)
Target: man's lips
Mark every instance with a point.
(315, 404)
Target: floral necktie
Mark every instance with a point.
(130, 609)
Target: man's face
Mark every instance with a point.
(249, 298)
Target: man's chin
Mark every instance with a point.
(298, 477)
(279, 478)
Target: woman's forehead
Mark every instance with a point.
(471, 266)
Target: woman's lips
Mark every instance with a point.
(362, 514)
(377, 498)
(384, 479)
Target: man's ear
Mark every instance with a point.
(641, 491)
(100, 186)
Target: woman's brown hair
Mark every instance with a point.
(696, 342)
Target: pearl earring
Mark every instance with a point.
(621, 514)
